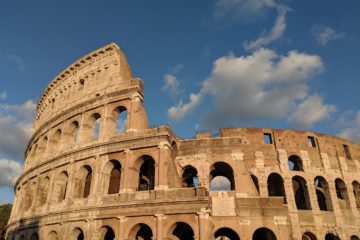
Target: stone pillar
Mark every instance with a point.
(125, 184)
(159, 226)
(164, 156)
(122, 225)
(260, 167)
(204, 222)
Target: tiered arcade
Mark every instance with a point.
(95, 170)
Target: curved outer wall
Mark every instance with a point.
(78, 185)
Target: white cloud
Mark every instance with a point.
(3, 95)
(260, 86)
(352, 129)
(180, 110)
(171, 84)
(275, 33)
(311, 111)
(17, 60)
(15, 128)
(324, 34)
(9, 172)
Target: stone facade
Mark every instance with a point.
(90, 176)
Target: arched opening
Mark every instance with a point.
(146, 173)
(301, 193)
(226, 234)
(83, 182)
(341, 193)
(115, 177)
(323, 194)
(35, 236)
(60, 187)
(295, 163)
(189, 177)
(43, 191)
(221, 177)
(74, 131)
(174, 150)
(353, 237)
(356, 191)
(331, 236)
(308, 236)
(22, 237)
(30, 194)
(52, 236)
(275, 185)
(263, 234)
(77, 234)
(182, 231)
(107, 233)
(256, 182)
(120, 115)
(96, 119)
(42, 147)
(141, 232)
(55, 141)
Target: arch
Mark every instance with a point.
(308, 236)
(226, 233)
(221, 177)
(356, 191)
(112, 170)
(354, 237)
(60, 187)
(263, 234)
(190, 176)
(77, 234)
(141, 231)
(341, 193)
(52, 236)
(295, 163)
(331, 236)
(322, 194)
(34, 236)
(146, 173)
(83, 182)
(301, 193)
(42, 147)
(106, 233)
(121, 118)
(95, 120)
(43, 191)
(55, 140)
(275, 185)
(74, 131)
(181, 231)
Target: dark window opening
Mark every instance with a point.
(144, 233)
(256, 182)
(295, 163)
(190, 178)
(301, 193)
(268, 138)
(308, 236)
(311, 141)
(330, 236)
(87, 185)
(356, 191)
(115, 177)
(263, 234)
(323, 194)
(147, 174)
(347, 151)
(221, 177)
(275, 185)
(183, 231)
(226, 233)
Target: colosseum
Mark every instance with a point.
(96, 170)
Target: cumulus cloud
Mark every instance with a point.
(352, 129)
(275, 33)
(311, 111)
(260, 86)
(15, 128)
(180, 110)
(9, 172)
(324, 34)
(3, 95)
(171, 84)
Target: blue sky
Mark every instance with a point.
(205, 64)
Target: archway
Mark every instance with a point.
(331, 236)
(60, 187)
(275, 185)
(356, 191)
(83, 182)
(77, 234)
(141, 231)
(308, 236)
(120, 117)
(112, 172)
(264, 234)
(189, 177)
(181, 231)
(353, 237)
(295, 163)
(107, 233)
(323, 194)
(52, 236)
(146, 173)
(226, 234)
(341, 193)
(221, 177)
(301, 193)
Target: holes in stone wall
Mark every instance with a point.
(121, 117)
(141, 231)
(268, 138)
(263, 234)
(146, 174)
(60, 187)
(301, 193)
(83, 182)
(295, 163)
(107, 233)
(323, 194)
(189, 177)
(311, 141)
(226, 233)
(183, 231)
(115, 177)
(275, 185)
(221, 177)
(96, 119)
(308, 236)
(342, 194)
(356, 191)
(331, 236)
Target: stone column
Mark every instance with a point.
(159, 226)
(164, 156)
(125, 185)
(122, 225)
(203, 218)
(260, 166)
